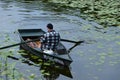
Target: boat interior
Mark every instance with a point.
(35, 44)
(60, 48)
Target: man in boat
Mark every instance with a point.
(50, 40)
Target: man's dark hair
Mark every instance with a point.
(50, 26)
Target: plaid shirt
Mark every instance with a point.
(50, 40)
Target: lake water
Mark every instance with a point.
(98, 58)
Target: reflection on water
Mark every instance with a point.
(49, 70)
(53, 72)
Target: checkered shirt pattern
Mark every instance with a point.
(50, 40)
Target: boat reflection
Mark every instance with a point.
(49, 70)
(52, 72)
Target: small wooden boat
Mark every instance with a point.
(60, 56)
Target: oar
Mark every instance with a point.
(19, 43)
(66, 40)
(77, 42)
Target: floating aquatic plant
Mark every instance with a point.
(105, 12)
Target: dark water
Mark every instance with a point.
(98, 58)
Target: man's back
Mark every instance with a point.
(50, 40)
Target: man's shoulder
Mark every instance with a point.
(52, 32)
(55, 31)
